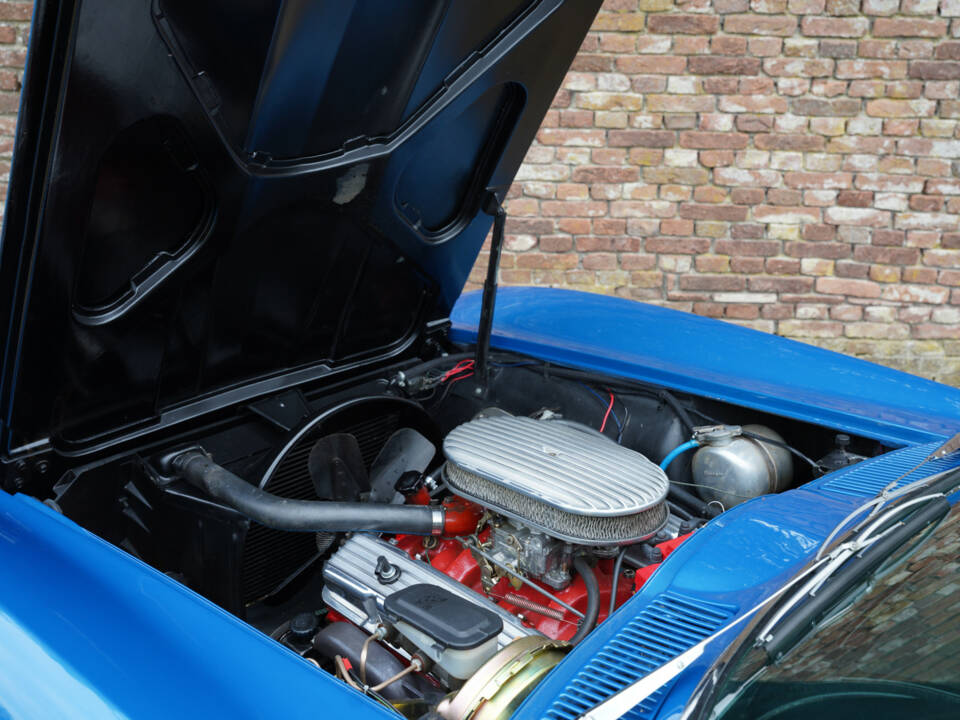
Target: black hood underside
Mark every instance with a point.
(213, 200)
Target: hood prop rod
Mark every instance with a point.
(493, 207)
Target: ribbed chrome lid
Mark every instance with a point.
(572, 470)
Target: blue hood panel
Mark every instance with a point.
(88, 632)
(717, 360)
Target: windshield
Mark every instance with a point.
(889, 649)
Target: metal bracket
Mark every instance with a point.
(493, 207)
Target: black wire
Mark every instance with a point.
(760, 438)
(617, 564)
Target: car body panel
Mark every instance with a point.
(87, 631)
(737, 560)
(206, 197)
(715, 359)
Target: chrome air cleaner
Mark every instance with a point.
(568, 483)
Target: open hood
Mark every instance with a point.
(213, 200)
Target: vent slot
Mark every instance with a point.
(867, 478)
(670, 625)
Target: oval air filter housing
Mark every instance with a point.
(569, 483)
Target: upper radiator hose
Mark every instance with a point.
(280, 513)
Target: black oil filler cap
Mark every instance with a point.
(451, 620)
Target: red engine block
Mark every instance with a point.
(452, 559)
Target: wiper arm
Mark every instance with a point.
(888, 493)
(848, 565)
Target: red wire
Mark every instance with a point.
(606, 415)
(460, 367)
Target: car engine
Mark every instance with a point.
(437, 544)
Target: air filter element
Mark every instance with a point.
(571, 484)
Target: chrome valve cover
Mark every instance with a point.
(353, 589)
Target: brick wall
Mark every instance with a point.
(791, 165)
(14, 31)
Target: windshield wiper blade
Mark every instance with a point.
(850, 565)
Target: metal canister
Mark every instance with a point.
(730, 467)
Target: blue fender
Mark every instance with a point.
(715, 359)
(89, 632)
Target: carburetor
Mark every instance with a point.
(532, 553)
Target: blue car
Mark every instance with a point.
(260, 457)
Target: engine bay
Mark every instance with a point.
(436, 537)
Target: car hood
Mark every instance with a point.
(210, 201)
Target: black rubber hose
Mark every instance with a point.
(697, 506)
(589, 620)
(615, 582)
(301, 515)
(677, 408)
(680, 511)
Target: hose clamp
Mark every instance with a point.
(437, 520)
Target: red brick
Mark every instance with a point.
(746, 231)
(605, 174)
(716, 158)
(933, 70)
(573, 208)
(16, 11)
(828, 250)
(819, 233)
(789, 142)
(846, 286)
(747, 196)
(713, 140)
(754, 123)
(818, 181)
(854, 198)
(728, 213)
(555, 243)
(886, 255)
(798, 67)
(785, 215)
(677, 245)
(641, 138)
(753, 103)
(926, 203)
(563, 136)
(782, 266)
(780, 196)
(825, 108)
(909, 27)
(725, 283)
(780, 284)
(652, 64)
(834, 27)
(720, 85)
(726, 45)
(670, 23)
(748, 248)
(723, 65)
(781, 25)
(747, 265)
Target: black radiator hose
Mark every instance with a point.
(301, 515)
(589, 620)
